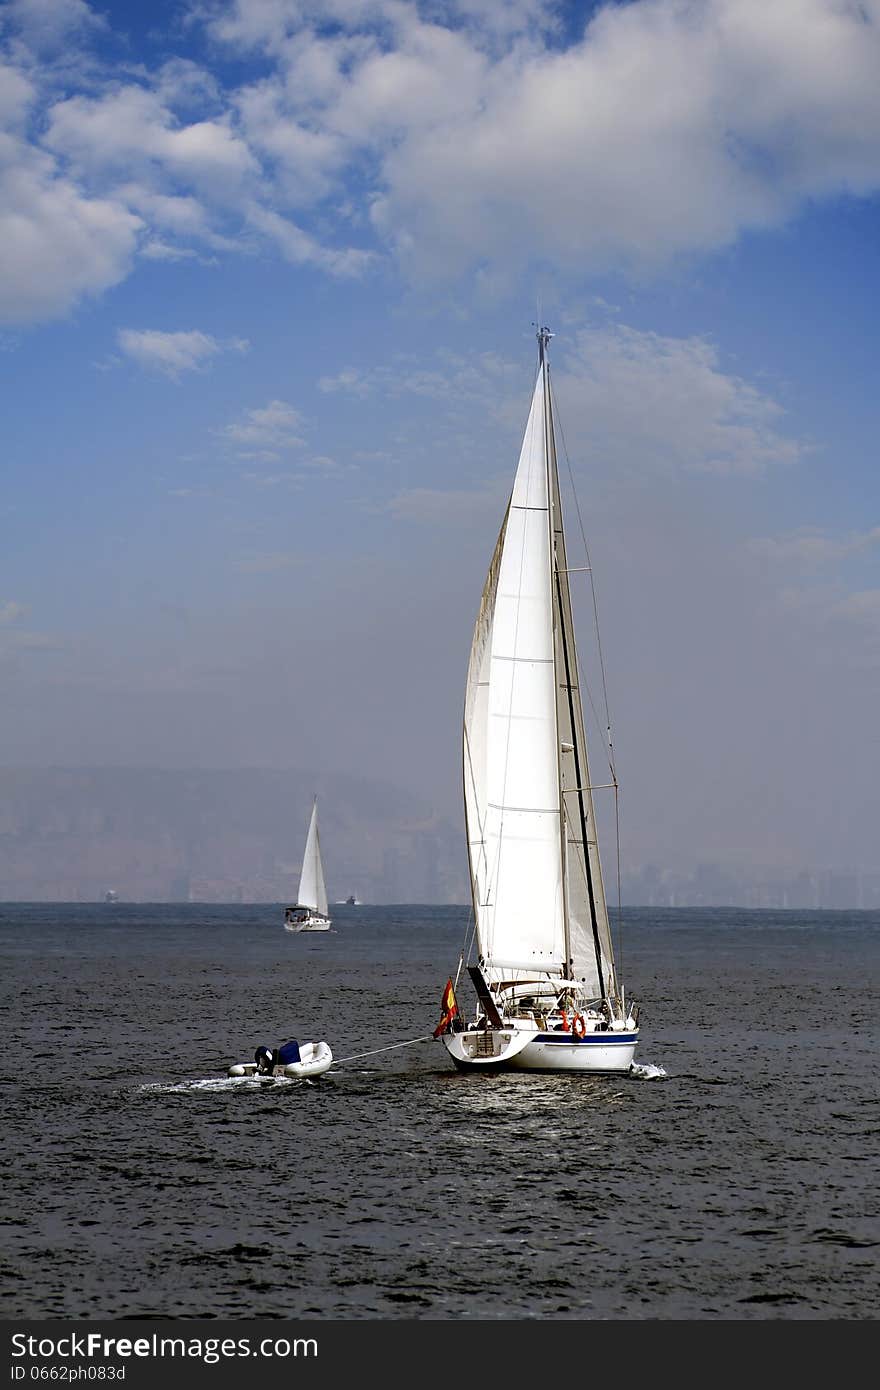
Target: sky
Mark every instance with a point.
(269, 274)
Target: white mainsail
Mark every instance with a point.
(312, 892)
(539, 901)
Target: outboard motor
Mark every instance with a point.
(265, 1060)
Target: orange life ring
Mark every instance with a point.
(578, 1026)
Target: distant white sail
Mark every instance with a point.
(312, 892)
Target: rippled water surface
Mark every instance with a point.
(139, 1181)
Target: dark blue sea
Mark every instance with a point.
(732, 1176)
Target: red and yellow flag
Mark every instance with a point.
(448, 1009)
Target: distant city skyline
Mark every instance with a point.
(148, 835)
(269, 274)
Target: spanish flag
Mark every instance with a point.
(448, 1009)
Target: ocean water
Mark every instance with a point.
(732, 1176)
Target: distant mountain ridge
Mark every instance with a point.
(73, 834)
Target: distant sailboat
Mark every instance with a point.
(549, 994)
(310, 912)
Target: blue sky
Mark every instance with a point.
(268, 272)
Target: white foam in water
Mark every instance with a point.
(225, 1083)
(648, 1072)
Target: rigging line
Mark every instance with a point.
(604, 733)
(619, 895)
(608, 717)
(470, 928)
(583, 868)
(471, 924)
(577, 507)
(356, 1056)
(461, 960)
(592, 787)
(470, 931)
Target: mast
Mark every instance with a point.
(569, 683)
(544, 335)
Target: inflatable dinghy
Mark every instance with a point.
(314, 1058)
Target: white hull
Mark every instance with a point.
(315, 1058)
(311, 923)
(518, 1049)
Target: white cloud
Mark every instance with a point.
(861, 607)
(812, 548)
(307, 161)
(17, 94)
(18, 643)
(301, 248)
(839, 619)
(475, 378)
(322, 463)
(272, 562)
(640, 401)
(274, 426)
(178, 214)
(46, 24)
(666, 128)
(11, 611)
(424, 84)
(670, 128)
(349, 379)
(173, 353)
(56, 243)
(155, 250)
(476, 140)
(452, 507)
(631, 402)
(131, 128)
(14, 641)
(839, 627)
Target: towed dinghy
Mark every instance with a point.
(291, 1059)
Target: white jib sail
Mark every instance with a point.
(312, 892)
(510, 738)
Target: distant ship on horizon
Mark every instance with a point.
(111, 896)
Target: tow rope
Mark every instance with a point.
(356, 1056)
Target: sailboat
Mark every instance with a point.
(310, 912)
(548, 993)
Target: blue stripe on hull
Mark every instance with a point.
(603, 1039)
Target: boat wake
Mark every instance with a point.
(647, 1071)
(227, 1083)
